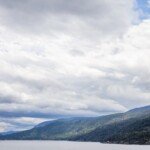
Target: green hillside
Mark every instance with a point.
(132, 127)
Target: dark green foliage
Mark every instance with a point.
(134, 133)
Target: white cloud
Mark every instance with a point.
(71, 61)
(148, 3)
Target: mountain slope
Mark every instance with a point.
(63, 128)
(128, 132)
(132, 127)
(135, 133)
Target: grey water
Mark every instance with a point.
(64, 145)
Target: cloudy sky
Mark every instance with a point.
(64, 58)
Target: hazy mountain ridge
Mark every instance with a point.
(132, 127)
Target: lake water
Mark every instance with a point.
(64, 145)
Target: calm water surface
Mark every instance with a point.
(62, 145)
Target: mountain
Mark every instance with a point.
(132, 131)
(7, 133)
(132, 127)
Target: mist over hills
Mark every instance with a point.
(131, 127)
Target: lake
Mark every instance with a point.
(64, 145)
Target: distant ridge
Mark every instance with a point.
(131, 127)
(7, 133)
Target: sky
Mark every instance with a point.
(70, 58)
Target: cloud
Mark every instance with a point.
(60, 59)
(53, 17)
(16, 124)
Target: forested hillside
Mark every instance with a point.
(132, 127)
